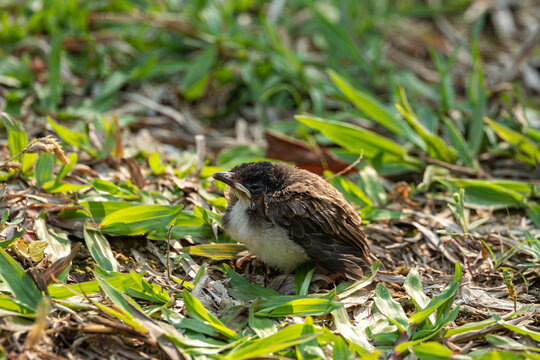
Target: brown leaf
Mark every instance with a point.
(57, 267)
(118, 139)
(135, 172)
(285, 148)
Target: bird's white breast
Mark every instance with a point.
(265, 240)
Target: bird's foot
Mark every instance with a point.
(243, 259)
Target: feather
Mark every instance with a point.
(314, 214)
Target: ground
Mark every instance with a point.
(116, 113)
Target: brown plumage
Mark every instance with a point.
(287, 216)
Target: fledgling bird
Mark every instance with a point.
(287, 216)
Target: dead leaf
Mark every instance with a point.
(135, 172)
(284, 148)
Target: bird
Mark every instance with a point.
(287, 216)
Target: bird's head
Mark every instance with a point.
(250, 182)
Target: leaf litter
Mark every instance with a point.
(138, 298)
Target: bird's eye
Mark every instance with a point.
(255, 188)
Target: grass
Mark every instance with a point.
(94, 94)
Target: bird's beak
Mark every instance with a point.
(228, 178)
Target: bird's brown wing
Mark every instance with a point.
(323, 223)
(335, 257)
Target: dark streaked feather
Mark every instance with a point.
(335, 257)
(313, 209)
(315, 214)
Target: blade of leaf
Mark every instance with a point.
(197, 310)
(413, 286)
(376, 110)
(354, 334)
(432, 351)
(140, 219)
(215, 251)
(53, 64)
(262, 326)
(20, 284)
(249, 290)
(459, 143)
(362, 283)
(302, 278)
(520, 329)
(437, 148)
(311, 348)
(287, 337)
(280, 306)
(390, 308)
(100, 250)
(354, 138)
(528, 147)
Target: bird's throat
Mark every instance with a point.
(263, 239)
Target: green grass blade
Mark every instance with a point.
(431, 351)
(485, 193)
(477, 92)
(120, 282)
(376, 110)
(472, 326)
(352, 333)
(302, 278)
(413, 286)
(280, 306)
(311, 348)
(100, 249)
(520, 329)
(390, 308)
(359, 284)
(429, 332)
(44, 169)
(340, 350)
(458, 142)
(215, 251)
(351, 191)
(19, 283)
(98, 209)
(354, 138)
(146, 290)
(436, 146)
(243, 289)
(140, 219)
(11, 306)
(287, 337)
(262, 326)
(73, 138)
(527, 146)
(371, 184)
(435, 303)
(197, 310)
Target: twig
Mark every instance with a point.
(455, 168)
(348, 167)
(65, 309)
(469, 335)
(200, 150)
